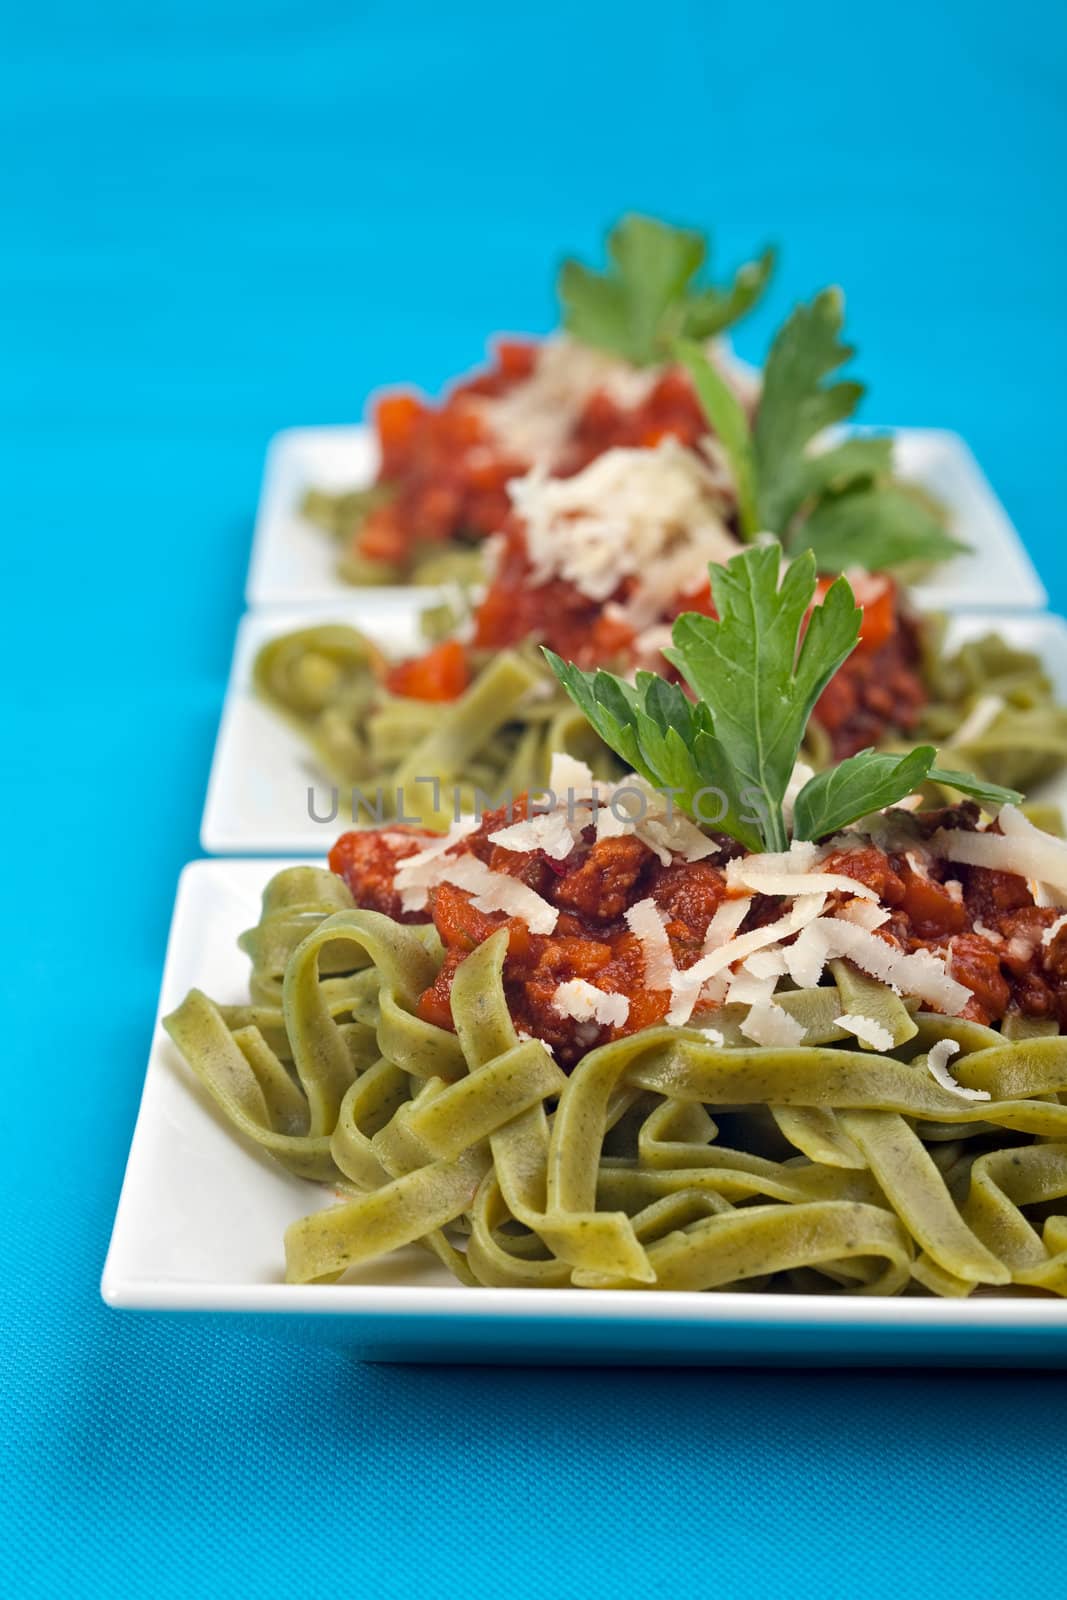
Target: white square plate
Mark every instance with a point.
(264, 781)
(201, 1216)
(263, 774)
(294, 562)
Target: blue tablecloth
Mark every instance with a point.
(221, 218)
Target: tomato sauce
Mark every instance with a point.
(449, 474)
(879, 688)
(985, 924)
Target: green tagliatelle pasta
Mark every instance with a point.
(343, 514)
(664, 1161)
(499, 737)
(1019, 736)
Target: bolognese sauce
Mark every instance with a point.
(983, 925)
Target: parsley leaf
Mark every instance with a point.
(879, 525)
(648, 296)
(987, 794)
(795, 403)
(729, 422)
(752, 670)
(873, 780)
(670, 742)
(757, 671)
(866, 782)
(842, 502)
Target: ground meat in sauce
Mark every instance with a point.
(449, 475)
(984, 923)
(368, 858)
(876, 689)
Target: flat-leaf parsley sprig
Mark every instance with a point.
(756, 671)
(652, 293)
(843, 502)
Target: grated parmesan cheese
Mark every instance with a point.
(570, 778)
(768, 1024)
(653, 515)
(866, 1029)
(769, 963)
(645, 921)
(1020, 848)
(584, 1002)
(745, 872)
(417, 874)
(863, 914)
(548, 831)
(535, 419)
(725, 922)
(633, 806)
(687, 985)
(498, 891)
(937, 1061)
(746, 989)
(918, 973)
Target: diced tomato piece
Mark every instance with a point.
(462, 927)
(367, 861)
(516, 356)
(443, 673)
(381, 536)
(931, 909)
(397, 418)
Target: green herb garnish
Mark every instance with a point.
(757, 670)
(843, 503)
(650, 295)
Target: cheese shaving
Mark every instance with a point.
(633, 806)
(534, 420)
(498, 891)
(584, 1002)
(937, 1064)
(918, 973)
(687, 985)
(747, 873)
(768, 1024)
(799, 777)
(748, 990)
(416, 874)
(548, 831)
(769, 963)
(1020, 848)
(570, 778)
(863, 914)
(653, 515)
(645, 921)
(725, 922)
(866, 1029)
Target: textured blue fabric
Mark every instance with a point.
(221, 218)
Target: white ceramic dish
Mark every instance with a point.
(265, 792)
(201, 1217)
(264, 783)
(294, 562)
